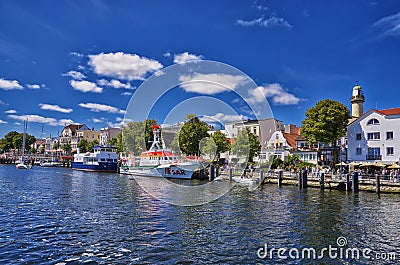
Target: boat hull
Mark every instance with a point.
(170, 172)
(100, 167)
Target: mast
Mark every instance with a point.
(24, 139)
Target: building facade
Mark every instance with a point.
(107, 134)
(375, 136)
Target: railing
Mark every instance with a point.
(374, 157)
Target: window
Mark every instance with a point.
(389, 135)
(358, 136)
(374, 136)
(373, 121)
(255, 130)
(389, 151)
(374, 151)
(358, 151)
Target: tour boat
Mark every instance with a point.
(102, 159)
(160, 162)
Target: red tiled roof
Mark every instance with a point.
(394, 111)
(291, 138)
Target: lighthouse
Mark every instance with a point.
(357, 102)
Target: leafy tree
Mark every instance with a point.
(83, 146)
(67, 148)
(191, 133)
(291, 160)
(33, 150)
(91, 145)
(175, 144)
(119, 143)
(113, 141)
(42, 150)
(277, 162)
(325, 122)
(136, 136)
(56, 146)
(246, 144)
(6, 143)
(209, 148)
(221, 142)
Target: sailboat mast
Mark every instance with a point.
(24, 138)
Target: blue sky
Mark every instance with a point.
(81, 61)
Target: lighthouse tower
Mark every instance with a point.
(357, 102)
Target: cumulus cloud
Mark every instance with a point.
(96, 120)
(123, 65)
(76, 54)
(186, 57)
(85, 86)
(210, 84)
(34, 86)
(10, 84)
(266, 23)
(10, 111)
(114, 83)
(96, 107)
(54, 108)
(75, 75)
(278, 94)
(222, 118)
(41, 119)
(2, 122)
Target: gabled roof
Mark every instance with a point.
(291, 139)
(75, 127)
(394, 111)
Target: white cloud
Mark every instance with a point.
(123, 65)
(266, 23)
(2, 103)
(34, 86)
(41, 119)
(95, 107)
(10, 111)
(210, 84)
(222, 118)
(126, 93)
(186, 57)
(10, 84)
(2, 122)
(388, 26)
(276, 92)
(114, 83)
(76, 54)
(54, 108)
(96, 120)
(85, 86)
(167, 54)
(75, 75)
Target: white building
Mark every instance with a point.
(375, 136)
(106, 134)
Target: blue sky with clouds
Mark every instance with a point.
(81, 61)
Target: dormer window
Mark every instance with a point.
(373, 122)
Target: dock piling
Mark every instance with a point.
(322, 181)
(280, 178)
(304, 179)
(355, 181)
(212, 172)
(348, 183)
(377, 184)
(230, 174)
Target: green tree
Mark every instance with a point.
(137, 136)
(221, 142)
(191, 133)
(83, 146)
(56, 146)
(326, 122)
(67, 148)
(33, 150)
(119, 143)
(209, 148)
(113, 141)
(175, 144)
(246, 144)
(291, 160)
(6, 143)
(17, 141)
(91, 145)
(42, 150)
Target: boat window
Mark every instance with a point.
(103, 159)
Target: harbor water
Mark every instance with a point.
(62, 216)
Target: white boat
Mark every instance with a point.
(102, 159)
(21, 164)
(160, 162)
(50, 164)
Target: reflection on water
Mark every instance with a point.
(51, 215)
